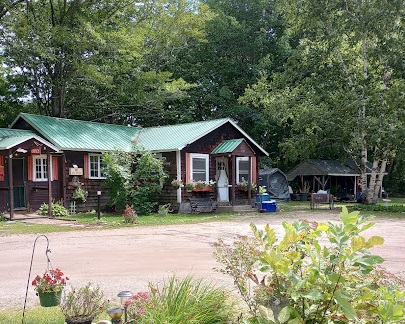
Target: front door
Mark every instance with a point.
(19, 180)
(223, 181)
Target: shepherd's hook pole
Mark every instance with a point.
(29, 273)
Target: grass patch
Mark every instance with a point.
(43, 315)
(112, 220)
(7, 228)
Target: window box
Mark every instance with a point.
(206, 188)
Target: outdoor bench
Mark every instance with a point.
(202, 205)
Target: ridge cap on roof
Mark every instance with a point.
(189, 123)
(76, 120)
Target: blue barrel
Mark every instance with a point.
(269, 206)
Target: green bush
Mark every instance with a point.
(380, 208)
(181, 301)
(58, 210)
(308, 281)
(134, 178)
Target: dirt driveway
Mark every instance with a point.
(128, 258)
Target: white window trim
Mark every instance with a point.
(34, 172)
(99, 167)
(207, 164)
(244, 158)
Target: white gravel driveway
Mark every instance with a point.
(128, 258)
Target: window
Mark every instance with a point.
(199, 167)
(242, 169)
(40, 168)
(96, 165)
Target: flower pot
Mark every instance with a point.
(82, 322)
(206, 188)
(50, 299)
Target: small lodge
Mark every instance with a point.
(46, 158)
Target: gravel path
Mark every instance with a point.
(128, 258)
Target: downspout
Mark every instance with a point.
(178, 170)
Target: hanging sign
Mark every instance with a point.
(76, 171)
(36, 151)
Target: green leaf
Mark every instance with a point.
(347, 308)
(284, 315)
(374, 240)
(313, 295)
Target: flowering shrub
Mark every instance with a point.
(136, 306)
(177, 183)
(51, 281)
(129, 214)
(83, 304)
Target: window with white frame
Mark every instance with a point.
(40, 168)
(199, 167)
(242, 169)
(96, 165)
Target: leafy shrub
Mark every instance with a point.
(306, 282)
(134, 178)
(380, 208)
(186, 300)
(58, 210)
(83, 304)
(129, 214)
(2, 217)
(80, 195)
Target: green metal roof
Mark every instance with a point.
(78, 135)
(176, 137)
(227, 146)
(12, 137)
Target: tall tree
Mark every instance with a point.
(88, 59)
(344, 86)
(240, 38)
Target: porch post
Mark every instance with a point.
(49, 165)
(64, 195)
(178, 174)
(250, 181)
(11, 183)
(233, 180)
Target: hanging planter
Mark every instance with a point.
(50, 299)
(49, 287)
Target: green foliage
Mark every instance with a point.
(306, 280)
(80, 195)
(129, 214)
(187, 300)
(380, 208)
(58, 210)
(134, 178)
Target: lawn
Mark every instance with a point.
(396, 208)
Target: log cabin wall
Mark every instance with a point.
(90, 185)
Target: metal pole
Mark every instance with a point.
(29, 273)
(98, 204)
(11, 184)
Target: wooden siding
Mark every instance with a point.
(91, 185)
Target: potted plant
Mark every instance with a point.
(82, 305)
(189, 186)
(200, 184)
(243, 185)
(49, 287)
(177, 183)
(80, 195)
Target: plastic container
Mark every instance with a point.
(262, 197)
(269, 206)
